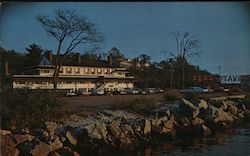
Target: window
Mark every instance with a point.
(105, 71)
(99, 71)
(86, 71)
(61, 70)
(77, 70)
(92, 71)
(68, 70)
(45, 71)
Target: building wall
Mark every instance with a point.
(73, 85)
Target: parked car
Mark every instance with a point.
(210, 90)
(97, 92)
(132, 91)
(192, 90)
(70, 94)
(150, 90)
(142, 91)
(123, 92)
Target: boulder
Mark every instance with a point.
(51, 127)
(42, 149)
(155, 125)
(99, 131)
(21, 138)
(7, 150)
(168, 126)
(71, 137)
(197, 121)
(4, 132)
(233, 109)
(189, 104)
(147, 127)
(8, 140)
(115, 131)
(196, 113)
(56, 144)
(203, 104)
(206, 130)
(184, 121)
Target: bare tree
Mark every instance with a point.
(70, 30)
(187, 46)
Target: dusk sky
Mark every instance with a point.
(144, 27)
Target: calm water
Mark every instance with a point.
(232, 142)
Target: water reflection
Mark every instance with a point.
(231, 142)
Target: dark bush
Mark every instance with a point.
(26, 108)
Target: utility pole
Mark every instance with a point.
(219, 67)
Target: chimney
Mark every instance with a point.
(51, 57)
(110, 59)
(6, 69)
(78, 58)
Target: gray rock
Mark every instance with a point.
(4, 132)
(206, 130)
(115, 131)
(42, 149)
(56, 144)
(197, 121)
(147, 127)
(71, 137)
(97, 131)
(203, 104)
(51, 127)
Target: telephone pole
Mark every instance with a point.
(219, 67)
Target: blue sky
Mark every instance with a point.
(144, 27)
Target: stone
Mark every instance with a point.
(155, 125)
(206, 130)
(168, 126)
(42, 149)
(99, 131)
(7, 150)
(56, 144)
(197, 121)
(8, 140)
(21, 138)
(71, 137)
(115, 131)
(203, 104)
(4, 132)
(147, 127)
(225, 117)
(233, 109)
(185, 122)
(129, 129)
(189, 104)
(196, 113)
(51, 127)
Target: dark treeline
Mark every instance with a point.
(146, 73)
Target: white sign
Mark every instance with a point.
(230, 79)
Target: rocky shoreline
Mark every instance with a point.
(109, 130)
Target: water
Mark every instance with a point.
(232, 142)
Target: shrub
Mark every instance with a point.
(26, 108)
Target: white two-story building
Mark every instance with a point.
(75, 76)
